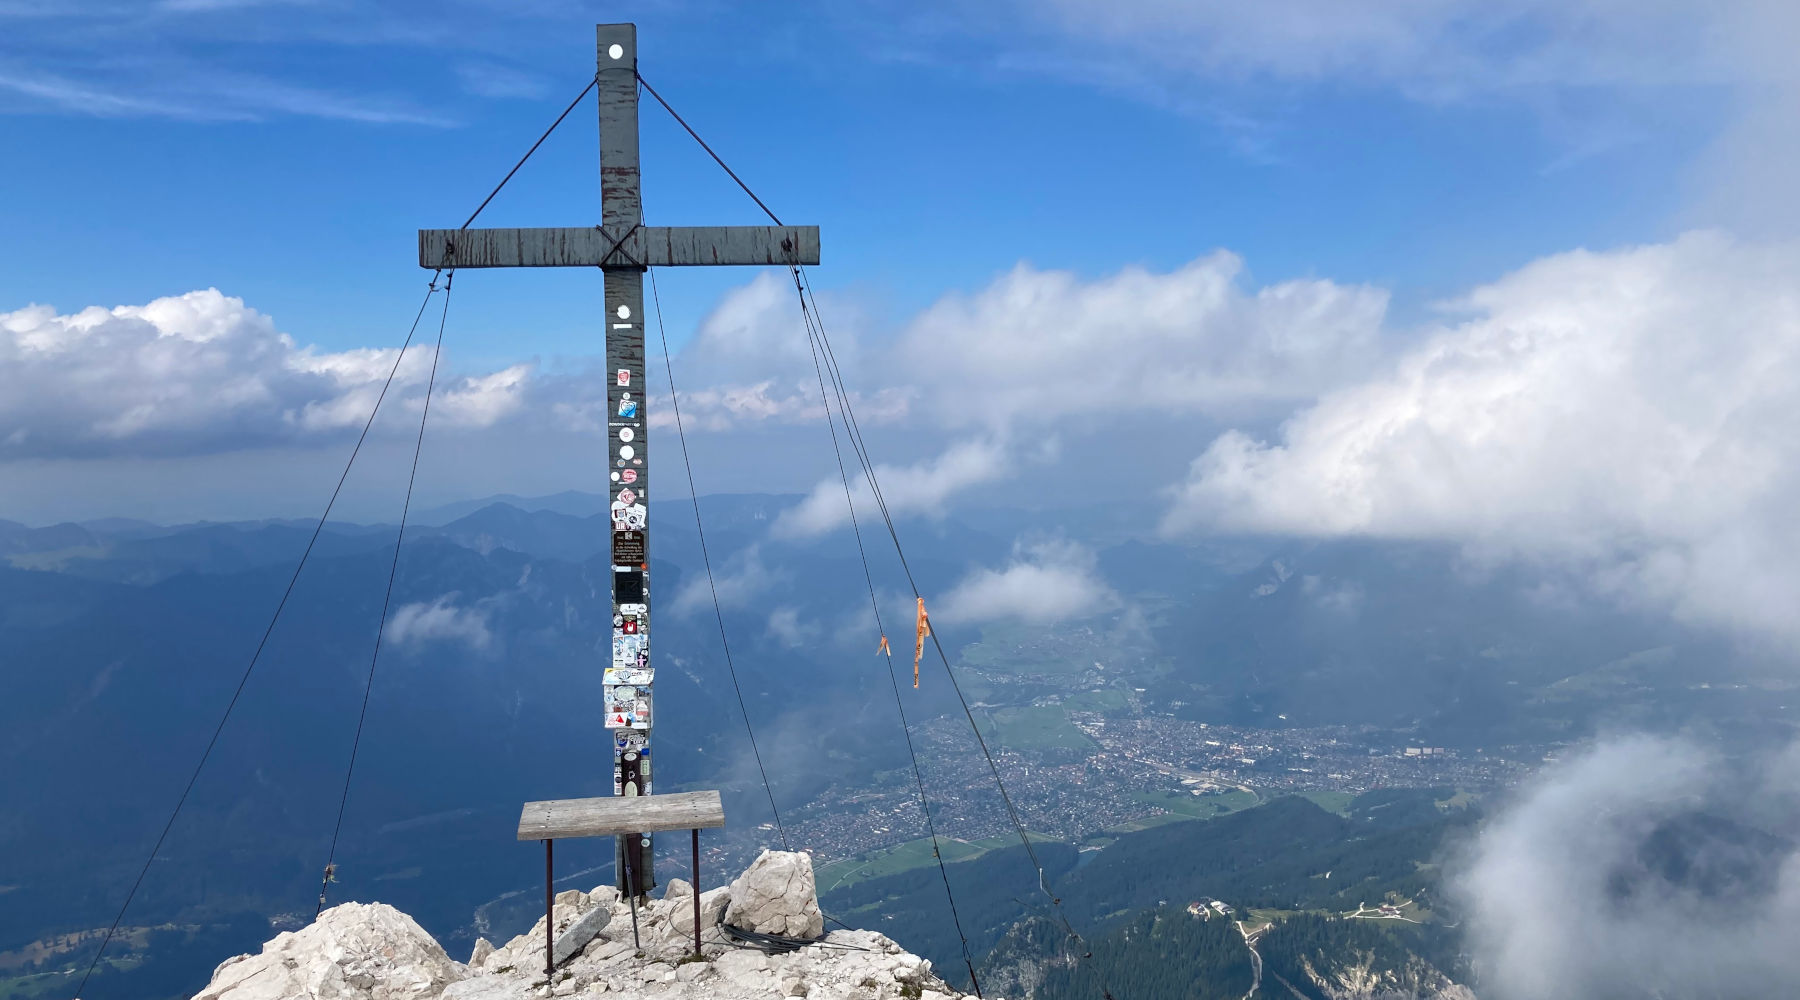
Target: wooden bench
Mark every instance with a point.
(558, 819)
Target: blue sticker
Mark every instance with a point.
(627, 407)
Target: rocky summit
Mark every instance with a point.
(371, 951)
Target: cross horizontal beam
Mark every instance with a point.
(606, 816)
(618, 246)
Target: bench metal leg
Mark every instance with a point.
(696, 833)
(631, 882)
(549, 914)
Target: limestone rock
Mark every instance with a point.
(484, 988)
(527, 950)
(354, 951)
(777, 896)
(712, 906)
(579, 934)
(359, 952)
(483, 948)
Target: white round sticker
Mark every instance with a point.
(615, 477)
(626, 434)
(627, 451)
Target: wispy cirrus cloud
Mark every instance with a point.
(232, 60)
(210, 97)
(55, 92)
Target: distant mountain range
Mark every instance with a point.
(124, 640)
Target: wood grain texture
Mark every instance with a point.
(618, 246)
(555, 819)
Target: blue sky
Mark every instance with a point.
(1510, 274)
(934, 153)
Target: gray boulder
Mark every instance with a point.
(583, 930)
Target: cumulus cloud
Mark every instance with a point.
(197, 373)
(439, 620)
(750, 364)
(1023, 350)
(479, 401)
(740, 581)
(1640, 867)
(205, 372)
(1044, 582)
(786, 628)
(920, 488)
(1624, 416)
(1035, 346)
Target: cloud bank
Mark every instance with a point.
(1639, 868)
(1035, 346)
(203, 372)
(1621, 419)
(1627, 417)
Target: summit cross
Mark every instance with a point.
(623, 247)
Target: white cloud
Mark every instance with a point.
(439, 620)
(209, 97)
(759, 323)
(1638, 869)
(1036, 346)
(1625, 416)
(787, 628)
(202, 372)
(479, 401)
(750, 364)
(740, 581)
(1044, 582)
(922, 488)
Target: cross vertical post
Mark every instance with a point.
(622, 247)
(628, 456)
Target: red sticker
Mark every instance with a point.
(627, 497)
(629, 475)
(624, 376)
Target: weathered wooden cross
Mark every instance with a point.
(623, 247)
